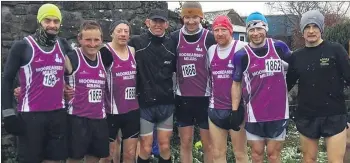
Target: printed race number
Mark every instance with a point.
(95, 95)
(188, 70)
(49, 80)
(273, 65)
(129, 93)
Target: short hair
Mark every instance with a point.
(89, 25)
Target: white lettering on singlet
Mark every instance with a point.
(262, 74)
(223, 74)
(127, 75)
(49, 68)
(191, 56)
(92, 83)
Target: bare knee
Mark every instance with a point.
(146, 148)
(129, 155)
(241, 156)
(273, 155)
(219, 152)
(258, 155)
(186, 141)
(164, 145)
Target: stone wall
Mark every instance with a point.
(18, 19)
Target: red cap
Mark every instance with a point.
(223, 21)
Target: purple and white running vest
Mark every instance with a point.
(221, 75)
(264, 87)
(192, 67)
(42, 80)
(88, 83)
(121, 95)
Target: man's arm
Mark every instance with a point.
(283, 50)
(106, 56)
(13, 63)
(236, 88)
(66, 48)
(292, 74)
(343, 62)
(236, 93)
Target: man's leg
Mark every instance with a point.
(336, 146)
(200, 112)
(334, 131)
(56, 147)
(207, 145)
(146, 140)
(219, 144)
(186, 143)
(347, 152)
(309, 148)
(30, 144)
(257, 145)
(185, 124)
(274, 148)
(165, 130)
(99, 144)
(239, 145)
(130, 133)
(79, 136)
(129, 150)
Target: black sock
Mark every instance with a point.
(162, 160)
(140, 160)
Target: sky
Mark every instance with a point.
(242, 8)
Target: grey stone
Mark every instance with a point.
(29, 23)
(7, 44)
(20, 9)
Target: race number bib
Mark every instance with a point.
(189, 70)
(49, 80)
(273, 65)
(95, 95)
(129, 93)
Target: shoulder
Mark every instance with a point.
(20, 44)
(212, 49)
(241, 53)
(175, 34)
(132, 50)
(333, 44)
(298, 51)
(240, 45)
(279, 43)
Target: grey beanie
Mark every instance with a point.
(313, 16)
(116, 23)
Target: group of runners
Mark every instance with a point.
(122, 90)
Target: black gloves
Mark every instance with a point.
(14, 125)
(236, 119)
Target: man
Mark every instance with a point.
(121, 103)
(41, 121)
(88, 129)
(192, 80)
(221, 70)
(321, 67)
(260, 66)
(155, 65)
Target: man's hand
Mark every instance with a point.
(68, 92)
(236, 119)
(17, 92)
(12, 123)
